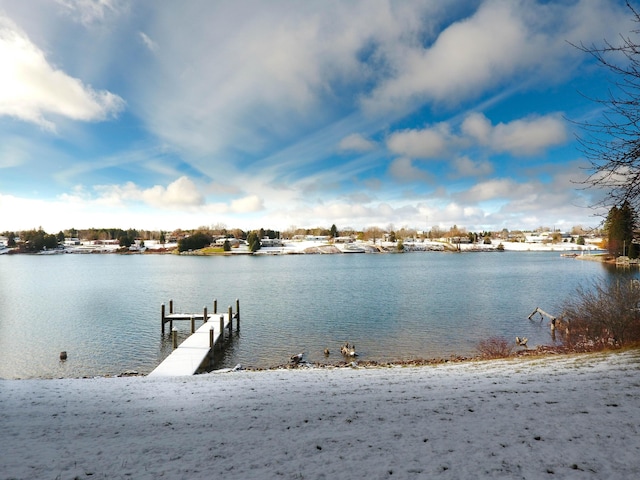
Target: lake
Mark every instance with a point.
(104, 310)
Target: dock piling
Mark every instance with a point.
(205, 317)
(237, 314)
(193, 325)
(215, 306)
(221, 330)
(174, 337)
(162, 318)
(230, 320)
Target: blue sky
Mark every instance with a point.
(159, 114)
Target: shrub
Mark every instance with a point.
(607, 314)
(495, 347)
(194, 242)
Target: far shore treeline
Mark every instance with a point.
(35, 240)
(619, 235)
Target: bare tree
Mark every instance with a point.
(612, 143)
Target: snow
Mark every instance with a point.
(546, 417)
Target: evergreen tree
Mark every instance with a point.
(253, 240)
(620, 226)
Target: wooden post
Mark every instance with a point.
(174, 338)
(230, 319)
(237, 314)
(211, 344)
(221, 330)
(205, 317)
(193, 325)
(170, 306)
(215, 306)
(162, 318)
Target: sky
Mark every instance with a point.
(154, 114)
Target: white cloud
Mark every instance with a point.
(251, 203)
(426, 143)
(403, 169)
(150, 44)
(465, 167)
(520, 137)
(89, 12)
(32, 89)
(529, 136)
(178, 194)
(468, 57)
(478, 127)
(491, 190)
(356, 143)
(501, 42)
(246, 82)
(525, 136)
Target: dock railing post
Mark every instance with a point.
(174, 338)
(193, 325)
(162, 318)
(215, 306)
(237, 314)
(221, 338)
(205, 317)
(230, 320)
(211, 344)
(170, 306)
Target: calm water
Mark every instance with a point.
(104, 310)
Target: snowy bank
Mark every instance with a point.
(558, 417)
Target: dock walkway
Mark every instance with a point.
(196, 351)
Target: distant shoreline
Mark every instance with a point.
(584, 252)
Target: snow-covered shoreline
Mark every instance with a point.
(566, 416)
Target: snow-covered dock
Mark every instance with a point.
(196, 351)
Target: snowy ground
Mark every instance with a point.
(561, 417)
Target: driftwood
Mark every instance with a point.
(542, 314)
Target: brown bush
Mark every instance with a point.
(607, 314)
(495, 347)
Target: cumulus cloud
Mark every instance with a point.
(403, 169)
(179, 194)
(425, 143)
(465, 167)
(478, 127)
(356, 143)
(500, 41)
(32, 89)
(525, 136)
(251, 203)
(529, 136)
(490, 190)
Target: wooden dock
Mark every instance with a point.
(197, 350)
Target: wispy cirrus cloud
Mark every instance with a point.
(89, 12)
